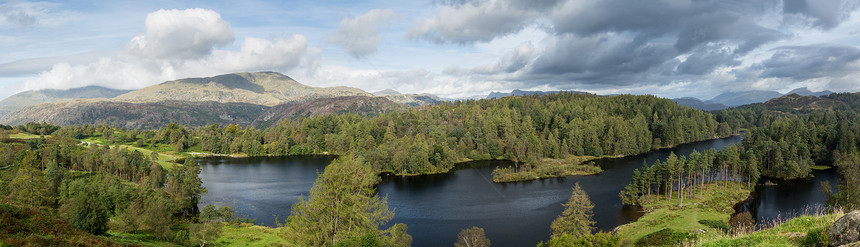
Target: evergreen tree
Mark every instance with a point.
(577, 217)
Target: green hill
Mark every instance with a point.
(259, 88)
(28, 98)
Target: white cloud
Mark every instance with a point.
(185, 34)
(177, 44)
(360, 35)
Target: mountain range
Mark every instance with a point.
(28, 98)
(732, 99)
(258, 98)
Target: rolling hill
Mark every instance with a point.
(259, 88)
(35, 97)
(361, 105)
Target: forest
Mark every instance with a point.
(433, 139)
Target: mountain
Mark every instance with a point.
(803, 91)
(409, 99)
(385, 92)
(745, 97)
(260, 88)
(517, 92)
(732, 99)
(240, 98)
(149, 115)
(361, 105)
(795, 103)
(28, 98)
(699, 104)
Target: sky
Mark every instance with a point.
(451, 48)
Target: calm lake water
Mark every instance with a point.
(436, 207)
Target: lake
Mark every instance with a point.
(436, 207)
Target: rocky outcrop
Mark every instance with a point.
(845, 231)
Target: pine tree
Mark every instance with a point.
(577, 217)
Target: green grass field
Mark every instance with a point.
(714, 204)
(247, 234)
(806, 230)
(25, 136)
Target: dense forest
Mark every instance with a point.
(432, 139)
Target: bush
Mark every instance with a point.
(815, 237)
(665, 237)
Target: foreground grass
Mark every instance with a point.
(670, 222)
(548, 168)
(246, 234)
(805, 230)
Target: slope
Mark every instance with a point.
(28, 98)
(260, 88)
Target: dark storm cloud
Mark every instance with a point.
(706, 59)
(808, 62)
(637, 43)
(593, 59)
(825, 14)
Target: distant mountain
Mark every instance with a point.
(260, 88)
(28, 98)
(361, 105)
(409, 99)
(517, 92)
(745, 97)
(732, 99)
(148, 115)
(803, 91)
(239, 98)
(385, 92)
(699, 104)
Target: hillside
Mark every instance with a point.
(136, 115)
(794, 103)
(363, 106)
(259, 88)
(28, 98)
(30, 226)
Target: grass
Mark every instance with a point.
(696, 218)
(166, 158)
(547, 168)
(246, 234)
(136, 239)
(804, 230)
(819, 167)
(25, 136)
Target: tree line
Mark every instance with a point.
(432, 139)
(678, 178)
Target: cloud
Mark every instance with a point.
(810, 62)
(706, 59)
(185, 34)
(261, 54)
(512, 61)
(176, 44)
(825, 14)
(25, 14)
(359, 35)
(478, 21)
